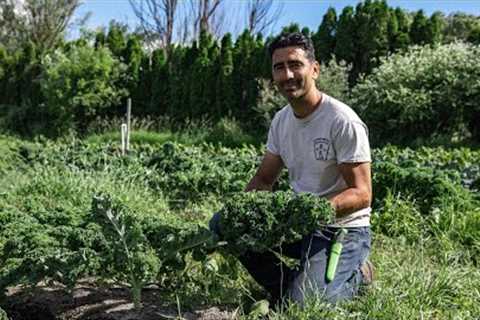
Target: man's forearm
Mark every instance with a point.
(350, 200)
(257, 183)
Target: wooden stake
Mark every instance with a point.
(129, 113)
(124, 138)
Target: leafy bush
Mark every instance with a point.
(333, 80)
(268, 103)
(422, 93)
(78, 84)
(431, 189)
(193, 172)
(458, 163)
(229, 133)
(139, 247)
(3, 315)
(261, 221)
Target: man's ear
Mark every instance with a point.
(316, 70)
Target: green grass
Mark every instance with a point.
(426, 267)
(226, 132)
(411, 282)
(139, 136)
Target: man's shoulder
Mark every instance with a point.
(342, 111)
(281, 115)
(283, 112)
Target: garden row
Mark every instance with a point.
(71, 210)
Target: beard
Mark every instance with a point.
(292, 89)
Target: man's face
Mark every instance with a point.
(293, 73)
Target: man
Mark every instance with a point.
(324, 145)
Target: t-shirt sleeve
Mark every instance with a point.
(272, 140)
(350, 141)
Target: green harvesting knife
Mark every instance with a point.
(335, 254)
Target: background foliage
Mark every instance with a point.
(423, 93)
(229, 78)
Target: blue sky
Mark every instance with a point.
(307, 13)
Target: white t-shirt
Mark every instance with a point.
(312, 147)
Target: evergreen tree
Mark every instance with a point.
(100, 38)
(474, 36)
(200, 88)
(371, 40)
(392, 29)
(306, 32)
(244, 75)
(435, 27)
(211, 75)
(256, 72)
(267, 65)
(142, 96)
(344, 45)
(263, 63)
(116, 39)
(179, 64)
(419, 29)
(225, 96)
(159, 86)
(401, 40)
(133, 58)
(293, 27)
(324, 39)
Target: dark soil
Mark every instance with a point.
(91, 302)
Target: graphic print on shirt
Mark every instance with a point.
(321, 147)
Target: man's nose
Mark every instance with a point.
(288, 73)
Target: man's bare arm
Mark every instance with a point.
(358, 195)
(267, 173)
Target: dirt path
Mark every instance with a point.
(96, 303)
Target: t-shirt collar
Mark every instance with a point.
(313, 115)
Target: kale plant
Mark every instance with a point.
(130, 257)
(138, 248)
(261, 221)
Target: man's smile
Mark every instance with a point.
(291, 85)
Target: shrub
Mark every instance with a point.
(268, 103)
(422, 93)
(333, 80)
(78, 84)
(431, 189)
(229, 133)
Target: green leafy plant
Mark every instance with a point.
(431, 189)
(261, 221)
(130, 255)
(3, 315)
(79, 84)
(138, 248)
(424, 92)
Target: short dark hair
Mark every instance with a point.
(293, 39)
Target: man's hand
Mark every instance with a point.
(264, 179)
(358, 195)
(267, 173)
